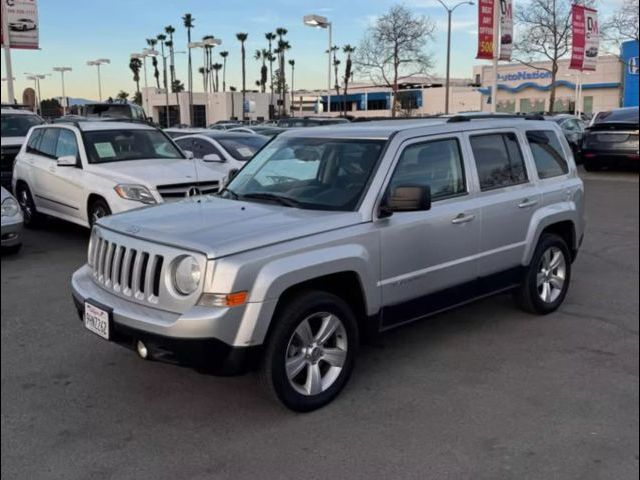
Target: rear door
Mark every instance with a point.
(66, 183)
(42, 163)
(508, 200)
(428, 255)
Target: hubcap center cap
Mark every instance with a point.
(314, 353)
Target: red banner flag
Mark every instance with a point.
(586, 38)
(486, 42)
(578, 30)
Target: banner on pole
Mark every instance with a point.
(485, 29)
(20, 23)
(506, 29)
(586, 38)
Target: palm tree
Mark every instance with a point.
(293, 64)
(282, 46)
(169, 30)
(187, 21)
(135, 64)
(162, 38)
(151, 42)
(336, 64)
(270, 38)
(242, 37)
(262, 55)
(208, 59)
(233, 104)
(203, 71)
(348, 50)
(216, 68)
(122, 96)
(224, 54)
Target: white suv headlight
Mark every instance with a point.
(186, 275)
(10, 207)
(137, 193)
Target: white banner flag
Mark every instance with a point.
(20, 23)
(591, 40)
(506, 29)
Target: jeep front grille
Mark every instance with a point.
(181, 190)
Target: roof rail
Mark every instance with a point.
(491, 116)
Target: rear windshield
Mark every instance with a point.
(106, 146)
(243, 148)
(627, 115)
(108, 110)
(18, 125)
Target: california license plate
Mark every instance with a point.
(97, 320)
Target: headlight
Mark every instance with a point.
(187, 275)
(137, 193)
(10, 207)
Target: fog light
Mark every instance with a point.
(142, 350)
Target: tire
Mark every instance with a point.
(548, 276)
(12, 250)
(31, 217)
(307, 353)
(98, 208)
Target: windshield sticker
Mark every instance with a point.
(246, 152)
(105, 149)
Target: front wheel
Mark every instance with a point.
(547, 279)
(30, 215)
(311, 352)
(98, 209)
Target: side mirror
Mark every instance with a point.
(406, 198)
(212, 157)
(67, 161)
(188, 154)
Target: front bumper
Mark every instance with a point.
(204, 338)
(11, 234)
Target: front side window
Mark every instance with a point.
(49, 142)
(105, 146)
(498, 160)
(202, 148)
(67, 146)
(34, 140)
(18, 125)
(436, 164)
(312, 173)
(547, 153)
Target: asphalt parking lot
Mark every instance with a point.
(483, 392)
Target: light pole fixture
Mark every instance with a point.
(64, 98)
(449, 13)
(97, 63)
(318, 21)
(36, 77)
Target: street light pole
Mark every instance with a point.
(318, 21)
(36, 77)
(97, 63)
(64, 98)
(7, 54)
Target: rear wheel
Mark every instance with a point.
(547, 280)
(31, 217)
(311, 352)
(12, 250)
(98, 208)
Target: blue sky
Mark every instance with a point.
(74, 31)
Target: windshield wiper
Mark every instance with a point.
(286, 201)
(231, 192)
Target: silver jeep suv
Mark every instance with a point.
(333, 233)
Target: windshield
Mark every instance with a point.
(626, 115)
(104, 146)
(314, 173)
(18, 125)
(242, 148)
(109, 110)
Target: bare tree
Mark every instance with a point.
(393, 47)
(544, 34)
(623, 24)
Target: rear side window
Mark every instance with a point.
(547, 153)
(49, 142)
(436, 164)
(498, 160)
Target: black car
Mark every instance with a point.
(573, 129)
(612, 140)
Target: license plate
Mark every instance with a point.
(97, 320)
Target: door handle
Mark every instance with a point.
(462, 218)
(526, 203)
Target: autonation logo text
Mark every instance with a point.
(519, 76)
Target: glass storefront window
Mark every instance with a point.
(587, 104)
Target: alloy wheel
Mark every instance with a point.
(551, 275)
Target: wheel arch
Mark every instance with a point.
(561, 223)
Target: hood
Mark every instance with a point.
(154, 172)
(12, 141)
(220, 227)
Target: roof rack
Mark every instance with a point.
(491, 116)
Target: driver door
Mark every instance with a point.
(429, 257)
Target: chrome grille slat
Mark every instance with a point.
(124, 274)
(135, 275)
(109, 263)
(149, 278)
(117, 267)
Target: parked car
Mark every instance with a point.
(22, 25)
(232, 149)
(225, 125)
(83, 171)
(15, 126)
(265, 131)
(330, 234)
(126, 111)
(573, 129)
(612, 140)
(175, 132)
(310, 121)
(11, 234)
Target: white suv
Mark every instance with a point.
(83, 171)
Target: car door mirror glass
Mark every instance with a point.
(67, 161)
(188, 154)
(407, 198)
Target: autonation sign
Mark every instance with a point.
(523, 76)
